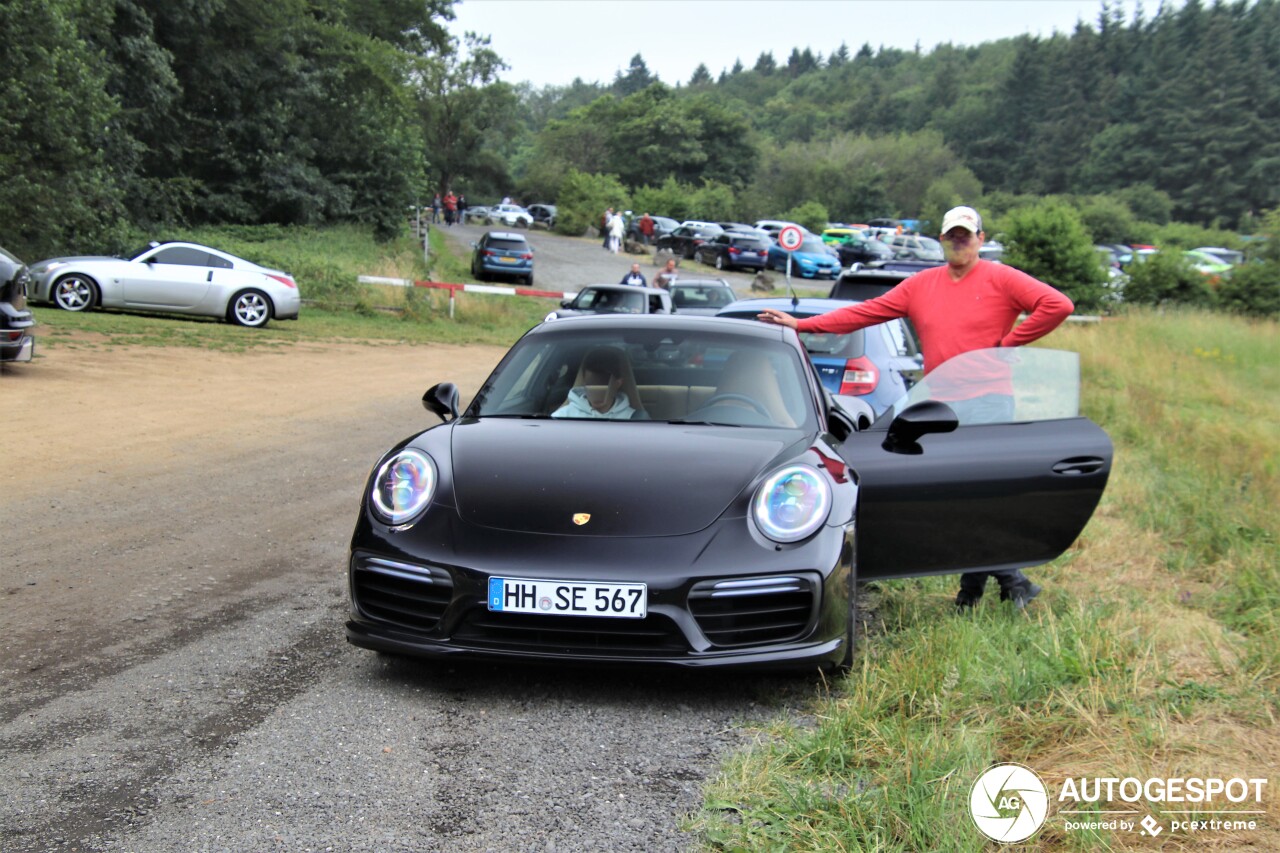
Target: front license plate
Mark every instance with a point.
(568, 598)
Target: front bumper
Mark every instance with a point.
(792, 611)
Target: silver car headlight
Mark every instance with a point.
(404, 486)
(792, 503)
(41, 269)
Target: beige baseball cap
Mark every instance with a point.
(964, 217)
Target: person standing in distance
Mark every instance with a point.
(967, 304)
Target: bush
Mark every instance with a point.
(811, 215)
(1252, 289)
(1048, 241)
(1166, 278)
(671, 199)
(583, 199)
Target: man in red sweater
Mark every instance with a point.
(968, 304)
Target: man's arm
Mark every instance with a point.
(1046, 307)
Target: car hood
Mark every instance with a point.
(634, 478)
(75, 260)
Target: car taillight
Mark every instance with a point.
(489, 253)
(860, 377)
(734, 250)
(283, 279)
(527, 256)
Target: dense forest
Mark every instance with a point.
(141, 114)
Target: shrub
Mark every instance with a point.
(1166, 278)
(583, 199)
(1252, 289)
(1048, 241)
(811, 215)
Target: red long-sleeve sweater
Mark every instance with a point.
(954, 317)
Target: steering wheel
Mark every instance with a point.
(741, 398)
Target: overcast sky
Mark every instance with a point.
(553, 41)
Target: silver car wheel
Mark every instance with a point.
(250, 308)
(74, 293)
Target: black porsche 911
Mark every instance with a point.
(683, 491)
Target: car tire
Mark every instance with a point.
(251, 308)
(74, 292)
(528, 280)
(720, 262)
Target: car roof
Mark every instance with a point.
(505, 235)
(700, 282)
(675, 322)
(613, 285)
(806, 305)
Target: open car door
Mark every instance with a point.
(985, 464)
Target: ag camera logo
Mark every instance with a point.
(1008, 803)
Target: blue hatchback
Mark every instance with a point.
(814, 259)
(878, 363)
(502, 253)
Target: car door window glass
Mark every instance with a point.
(182, 256)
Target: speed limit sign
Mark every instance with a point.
(790, 238)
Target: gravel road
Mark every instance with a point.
(173, 533)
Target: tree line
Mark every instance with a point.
(134, 115)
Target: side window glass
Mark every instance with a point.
(183, 256)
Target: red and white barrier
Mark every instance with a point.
(469, 288)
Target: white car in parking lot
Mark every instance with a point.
(176, 278)
(510, 215)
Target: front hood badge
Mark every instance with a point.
(581, 518)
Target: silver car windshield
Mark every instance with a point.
(1004, 385)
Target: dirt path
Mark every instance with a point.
(147, 487)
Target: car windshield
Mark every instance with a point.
(754, 244)
(685, 377)
(696, 296)
(1005, 385)
(611, 301)
(500, 244)
(813, 244)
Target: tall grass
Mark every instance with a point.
(1153, 651)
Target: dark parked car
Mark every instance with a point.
(614, 299)
(877, 364)
(502, 253)
(714, 525)
(861, 249)
(700, 295)
(686, 239)
(16, 322)
(861, 285)
(735, 250)
(661, 225)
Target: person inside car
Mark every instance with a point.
(602, 389)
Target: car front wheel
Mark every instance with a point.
(720, 262)
(75, 292)
(250, 308)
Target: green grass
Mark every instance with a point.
(1154, 651)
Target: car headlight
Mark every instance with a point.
(792, 503)
(404, 486)
(41, 269)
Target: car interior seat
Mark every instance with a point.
(628, 379)
(751, 375)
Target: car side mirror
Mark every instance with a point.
(442, 400)
(921, 419)
(566, 303)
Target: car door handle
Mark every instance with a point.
(1078, 465)
(210, 276)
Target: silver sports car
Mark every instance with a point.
(177, 278)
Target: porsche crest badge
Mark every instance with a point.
(581, 518)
